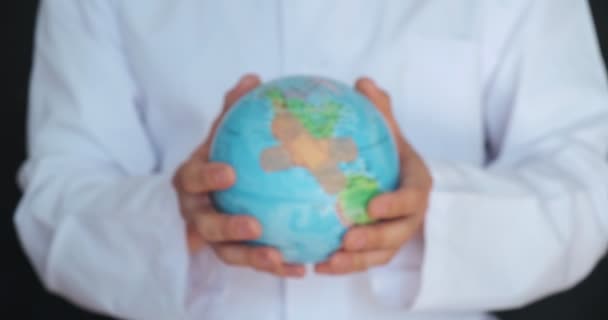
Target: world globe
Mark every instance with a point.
(309, 154)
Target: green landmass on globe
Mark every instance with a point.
(360, 189)
(319, 121)
(306, 135)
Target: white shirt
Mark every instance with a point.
(505, 100)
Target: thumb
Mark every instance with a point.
(247, 83)
(376, 95)
(382, 101)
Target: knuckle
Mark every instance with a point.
(210, 228)
(204, 175)
(413, 197)
(420, 198)
(252, 259)
(259, 259)
(178, 178)
(191, 205)
(191, 179)
(184, 206)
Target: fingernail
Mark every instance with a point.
(222, 177)
(244, 229)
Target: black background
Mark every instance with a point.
(20, 290)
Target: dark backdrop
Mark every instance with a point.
(20, 289)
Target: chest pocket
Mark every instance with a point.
(440, 98)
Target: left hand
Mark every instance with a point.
(398, 215)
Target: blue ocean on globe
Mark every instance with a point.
(309, 153)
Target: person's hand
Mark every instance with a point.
(398, 215)
(208, 228)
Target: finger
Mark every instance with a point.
(261, 258)
(382, 101)
(413, 169)
(247, 83)
(383, 235)
(398, 204)
(378, 96)
(221, 227)
(191, 204)
(345, 263)
(197, 176)
(291, 270)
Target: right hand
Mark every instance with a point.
(207, 228)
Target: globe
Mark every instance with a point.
(309, 154)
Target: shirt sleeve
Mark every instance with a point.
(533, 221)
(98, 220)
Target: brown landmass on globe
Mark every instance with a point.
(321, 157)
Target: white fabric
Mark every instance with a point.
(505, 100)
